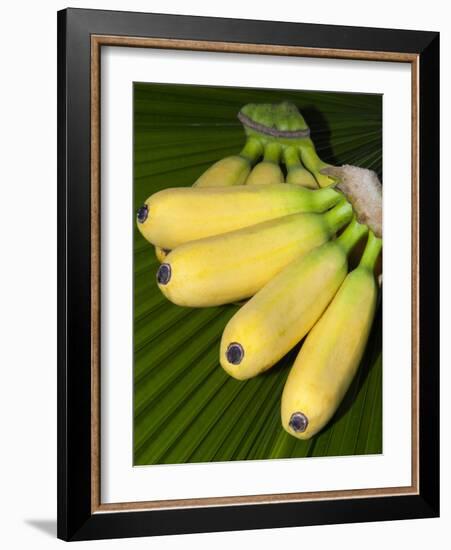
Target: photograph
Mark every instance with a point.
(257, 273)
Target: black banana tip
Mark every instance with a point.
(235, 353)
(142, 214)
(164, 274)
(298, 422)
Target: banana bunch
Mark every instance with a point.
(275, 225)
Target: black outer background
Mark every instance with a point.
(75, 521)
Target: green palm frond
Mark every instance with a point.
(186, 408)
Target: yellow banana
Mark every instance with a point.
(332, 351)
(268, 170)
(161, 253)
(172, 217)
(283, 311)
(233, 266)
(231, 170)
(296, 173)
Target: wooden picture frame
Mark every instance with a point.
(81, 35)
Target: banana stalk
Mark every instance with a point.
(234, 266)
(331, 353)
(283, 311)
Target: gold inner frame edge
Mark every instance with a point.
(97, 41)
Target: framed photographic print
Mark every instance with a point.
(248, 274)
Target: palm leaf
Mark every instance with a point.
(186, 408)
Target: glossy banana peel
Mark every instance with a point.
(282, 312)
(332, 351)
(234, 266)
(175, 216)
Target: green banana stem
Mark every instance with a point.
(296, 173)
(272, 152)
(291, 157)
(323, 199)
(312, 162)
(338, 216)
(371, 252)
(252, 150)
(352, 234)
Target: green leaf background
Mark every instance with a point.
(186, 408)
